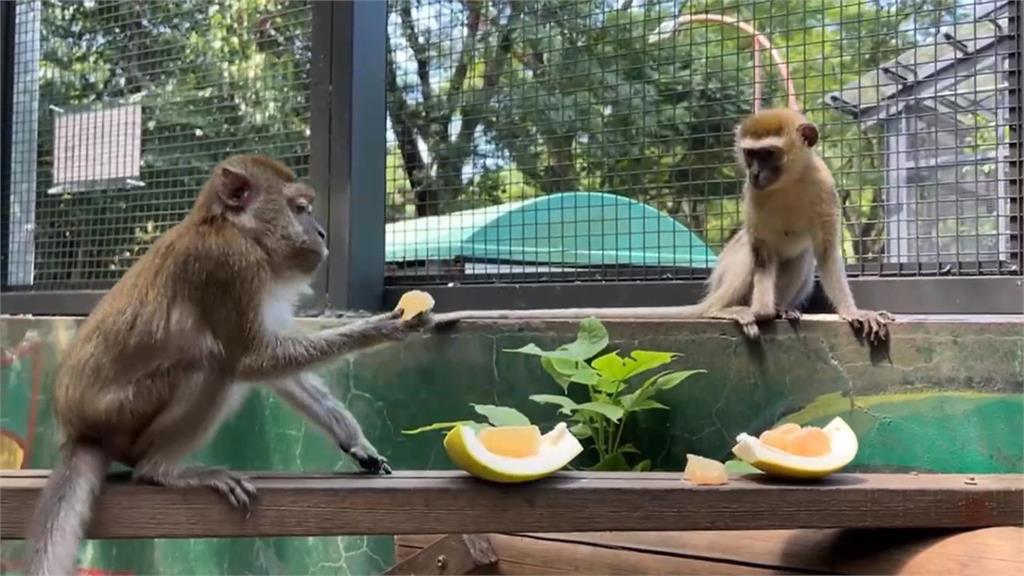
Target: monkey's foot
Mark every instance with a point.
(872, 324)
(741, 315)
(368, 459)
(790, 314)
(235, 487)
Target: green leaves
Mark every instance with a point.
(567, 363)
(607, 379)
(501, 415)
(438, 426)
(567, 404)
(609, 411)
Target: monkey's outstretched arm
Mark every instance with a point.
(307, 394)
(833, 281)
(276, 356)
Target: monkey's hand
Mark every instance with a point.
(368, 459)
(790, 314)
(430, 321)
(872, 324)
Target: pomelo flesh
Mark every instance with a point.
(511, 441)
(414, 303)
(704, 471)
(808, 441)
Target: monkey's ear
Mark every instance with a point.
(809, 132)
(235, 189)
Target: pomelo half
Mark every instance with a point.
(771, 460)
(556, 449)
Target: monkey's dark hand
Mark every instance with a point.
(790, 314)
(872, 324)
(369, 460)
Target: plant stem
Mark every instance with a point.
(618, 437)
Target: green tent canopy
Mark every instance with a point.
(569, 229)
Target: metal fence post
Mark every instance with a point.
(358, 149)
(6, 110)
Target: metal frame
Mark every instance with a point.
(7, 14)
(962, 295)
(349, 106)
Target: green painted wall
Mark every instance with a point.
(947, 398)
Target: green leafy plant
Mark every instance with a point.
(614, 390)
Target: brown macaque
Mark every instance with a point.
(174, 347)
(791, 220)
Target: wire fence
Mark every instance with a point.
(546, 141)
(528, 141)
(120, 110)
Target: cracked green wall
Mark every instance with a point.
(950, 401)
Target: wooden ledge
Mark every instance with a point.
(451, 502)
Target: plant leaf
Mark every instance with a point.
(643, 360)
(614, 462)
(642, 466)
(533, 350)
(501, 415)
(739, 467)
(549, 366)
(591, 339)
(609, 365)
(438, 426)
(609, 386)
(580, 431)
(586, 375)
(646, 404)
(567, 404)
(609, 411)
(629, 449)
(672, 379)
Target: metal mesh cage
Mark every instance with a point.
(563, 139)
(120, 109)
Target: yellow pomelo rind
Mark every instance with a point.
(770, 460)
(557, 448)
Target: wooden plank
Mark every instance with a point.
(837, 551)
(452, 502)
(452, 554)
(526, 555)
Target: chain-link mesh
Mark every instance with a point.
(553, 140)
(120, 110)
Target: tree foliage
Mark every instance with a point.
(488, 101)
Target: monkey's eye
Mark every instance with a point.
(303, 208)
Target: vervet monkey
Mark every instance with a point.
(791, 219)
(178, 342)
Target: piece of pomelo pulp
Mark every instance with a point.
(478, 457)
(704, 471)
(766, 455)
(415, 302)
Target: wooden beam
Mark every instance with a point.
(452, 554)
(452, 502)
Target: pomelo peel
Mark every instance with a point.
(556, 449)
(842, 446)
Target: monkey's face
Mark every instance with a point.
(764, 165)
(307, 238)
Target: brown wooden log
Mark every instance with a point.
(452, 502)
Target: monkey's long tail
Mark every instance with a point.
(64, 509)
(644, 313)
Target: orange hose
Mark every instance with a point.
(761, 42)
